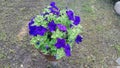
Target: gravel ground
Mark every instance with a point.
(101, 26)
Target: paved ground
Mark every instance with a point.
(101, 34)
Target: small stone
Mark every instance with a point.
(21, 65)
(117, 7)
(118, 60)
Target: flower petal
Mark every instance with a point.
(54, 9)
(52, 4)
(78, 39)
(70, 14)
(60, 43)
(37, 30)
(32, 30)
(77, 20)
(52, 26)
(67, 50)
(61, 27)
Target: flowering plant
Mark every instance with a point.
(55, 30)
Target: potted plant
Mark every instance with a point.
(54, 32)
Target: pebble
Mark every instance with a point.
(117, 7)
(21, 65)
(118, 60)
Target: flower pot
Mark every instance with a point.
(48, 56)
(53, 62)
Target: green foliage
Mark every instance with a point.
(50, 38)
(72, 33)
(53, 49)
(51, 17)
(40, 39)
(46, 10)
(63, 19)
(57, 34)
(60, 53)
(40, 20)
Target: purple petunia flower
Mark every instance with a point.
(78, 39)
(61, 27)
(41, 30)
(37, 30)
(60, 43)
(54, 9)
(70, 14)
(32, 30)
(52, 26)
(67, 50)
(52, 4)
(77, 20)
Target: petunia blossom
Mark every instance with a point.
(54, 9)
(78, 39)
(52, 4)
(70, 14)
(52, 26)
(67, 50)
(61, 27)
(37, 30)
(77, 20)
(60, 43)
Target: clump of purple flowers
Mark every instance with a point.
(54, 31)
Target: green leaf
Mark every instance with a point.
(57, 34)
(44, 23)
(33, 41)
(41, 39)
(46, 10)
(44, 51)
(38, 20)
(63, 12)
(73, 32)
(53, 41)
(37, 46)
(51, 17)
(53, 49)
(60, 53)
